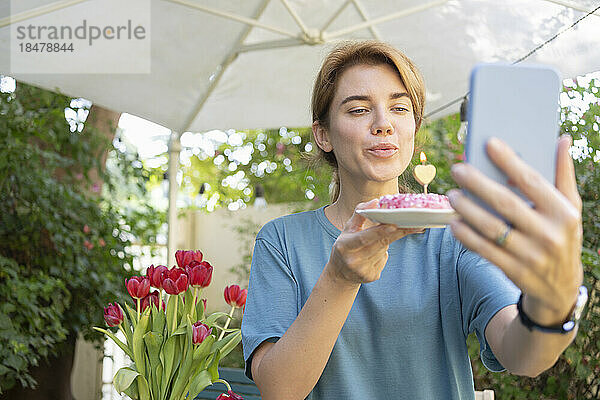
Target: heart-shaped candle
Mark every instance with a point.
(424, 174)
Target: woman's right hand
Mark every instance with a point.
(358, 256)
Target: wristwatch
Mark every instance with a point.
(565, 327)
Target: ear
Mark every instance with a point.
(321, 137)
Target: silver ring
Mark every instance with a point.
(501, 238)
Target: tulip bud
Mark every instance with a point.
(157, 275)
(185, 257)
(176, 282)
(234, 296)
(230, 395)
(138, 287)
(200, 332)
(152, 298)
(113, 315)
(199, 274)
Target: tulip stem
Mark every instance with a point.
(194, 303)
(227, 322)
(159, 299)
(123, 330)
(138, 309)
(225, 383)
(175, 314)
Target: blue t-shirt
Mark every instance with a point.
(405, 335)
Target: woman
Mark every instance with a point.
(340, 307)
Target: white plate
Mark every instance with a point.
(411, 217)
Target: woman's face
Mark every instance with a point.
(371, 124)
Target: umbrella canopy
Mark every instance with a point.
(242, 64)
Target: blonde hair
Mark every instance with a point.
(348, 54)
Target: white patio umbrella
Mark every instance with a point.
(219, 64)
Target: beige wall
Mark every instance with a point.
(214, 234)
(86, 377)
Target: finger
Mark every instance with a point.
(529, 181)
(376, 237)
(356, 221)
(491, 227)
(500, 198)
(522, 276)
(565, 172)
(375, 244)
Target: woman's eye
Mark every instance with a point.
(400, 109)
(358, 111)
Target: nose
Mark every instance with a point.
(381, 125)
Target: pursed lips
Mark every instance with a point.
(383, 150)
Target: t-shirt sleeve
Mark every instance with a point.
(272, 303)
(484, 290)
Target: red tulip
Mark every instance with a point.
(234, 296)
(152, 298)
(204, 303)
(229, 395)
(176, 281)
(200, 332)
(157, 275)
(113, 315)
(138, 287)
(185, 257)
(199, 274)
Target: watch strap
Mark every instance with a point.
(564, 327)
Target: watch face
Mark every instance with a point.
(568, 326)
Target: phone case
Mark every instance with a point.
(520, 105)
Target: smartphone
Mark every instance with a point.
(519, 105)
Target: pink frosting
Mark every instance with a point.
(410, 200)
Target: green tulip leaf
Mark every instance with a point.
(179, 331)
(144, 390)
(124, 378)
(153, 342)
(132, 390)
(132, 315)
(200, 381)
(189, 301)
(213, 367)
(202, 350)
(158, 320)
(138, 344)
(228, 343)
(171, 305)
(118, 342)
(168, 357)
(126, 327)
(212, 318)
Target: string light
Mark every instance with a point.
(529, 54)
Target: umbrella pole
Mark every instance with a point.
(174, 150)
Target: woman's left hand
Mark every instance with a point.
(542, 251)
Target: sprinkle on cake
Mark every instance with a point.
(418, 200)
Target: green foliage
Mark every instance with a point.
(277, 163)
(56, 274)
(576, 375)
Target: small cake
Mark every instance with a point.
(412, 200)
